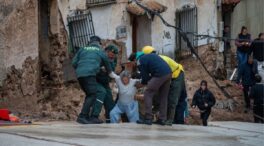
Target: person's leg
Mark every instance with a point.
(179, 113)
(241, 58)
(132, 112)
(109, 103)
(174, 96)
(246, 96)
(115, 114)
(164, 90)
(88, 85)
(206, 116)
(97, 107)
(152, 87)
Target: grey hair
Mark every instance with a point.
(125, 73)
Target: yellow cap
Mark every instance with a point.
(148, 49)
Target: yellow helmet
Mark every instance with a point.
(148, 49)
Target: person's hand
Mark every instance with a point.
(103, 69)
(138, 85)
(206, 104)
(246, 44)
(139, 97)
(239, 86)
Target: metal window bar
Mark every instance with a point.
(81, 28)
(187, 20)
(92, 3)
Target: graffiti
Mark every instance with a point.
(167, 35)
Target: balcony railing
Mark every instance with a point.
(94, 3)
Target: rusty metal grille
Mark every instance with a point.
(186, 19)
(93, 3)
(81, 28)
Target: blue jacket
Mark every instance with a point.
(87, 61)
(247, 73)
(151, 65)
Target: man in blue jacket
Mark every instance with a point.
(247, 74)
(156, 74)
(86, 63)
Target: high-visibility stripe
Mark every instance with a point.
(100, 101)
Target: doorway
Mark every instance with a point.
(141, 32)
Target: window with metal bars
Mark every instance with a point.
(187, 20)
(81, 28)
(94, 3)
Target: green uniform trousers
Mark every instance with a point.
(103, 97)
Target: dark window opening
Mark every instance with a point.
(81, 28)
(186, 19)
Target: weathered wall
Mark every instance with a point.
(107, 18)
(248, 13)
(18, 33)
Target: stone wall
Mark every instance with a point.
(18, 33)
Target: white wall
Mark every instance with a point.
(107, 18)
(207, 16)
(207, 23)
(249, 13)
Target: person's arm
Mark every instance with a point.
(144, 74)
(105, 62)
(250, 40)
(255, 67)
(194, 100)
(211, 102)
(240, 71)
(237, 42)
(113, 75)
(252, 92)
(75, 59)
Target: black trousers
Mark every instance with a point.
(88, 85)
(258, 111)
(205, 115)
(246, 96)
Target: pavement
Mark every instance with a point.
(73, 134)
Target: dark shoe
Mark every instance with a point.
(246, 110)
(161, 122)
(95, 120)
(82, 120)
(147, 122)
(168, 122)
(107, 121)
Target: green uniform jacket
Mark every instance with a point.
(87, 61)
(102, 77)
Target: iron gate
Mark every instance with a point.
(186, 19)
(81, 28)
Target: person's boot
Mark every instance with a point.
(205, 123)
(161, 122)
(95, 120)
(168, 122)
(83, 120)
(144, 121)
(107, 121)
